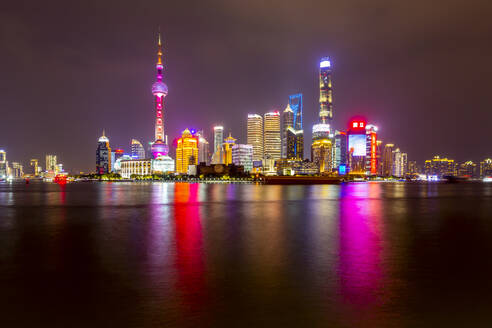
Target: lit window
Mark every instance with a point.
(354, 124)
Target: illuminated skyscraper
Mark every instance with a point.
(103, 156)
(17, 170)
(3, 164)
(51, 162)
(229, 142)
(340, 149)
(322, 154)
(292, 132)
(218, 155)
(243, 155)
(203, 148)
(271, 134)
(388, 160)
(186, 152)
(138, 150)
(371, 149)
(35, 168)
(325, 91)
(160, 91)
(255, 135)
(287, 123)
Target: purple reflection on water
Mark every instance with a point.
(360, 269)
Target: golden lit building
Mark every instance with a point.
(229, 142)
(186, 152)
(486, 168)
(322, 154)
(440, 167)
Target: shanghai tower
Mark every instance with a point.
(159, 91)
(325, 91)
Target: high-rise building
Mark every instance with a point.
(325, 91)
(295, 144)
(322, 154)
(287, 123)
(357, 147)
(17, 170)
(103, 156)
(404, 164)
(159, 91)
(295, 103)
(371, 149)
(255, 135)
(35, 167)
(3, 164)
(340, 149)
(412, 168)
(218, 155)
(271, 136)
(243, 155)
(186, 152)
(229, 142)
(292, 132)
(486, 168)
(51, 162)
(203, 148)
(138, 150)
(440, 167)
(397, 163)
(387, 166)
(115, 156)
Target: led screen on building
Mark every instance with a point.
(357, 142)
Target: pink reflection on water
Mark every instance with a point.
(190, 264)
(361, 272)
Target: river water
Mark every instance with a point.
(245, 255)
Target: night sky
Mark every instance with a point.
(420, 70)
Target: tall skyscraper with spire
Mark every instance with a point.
(325, 91)
(159, 90)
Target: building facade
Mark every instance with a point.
(242, 155)
(103, 156)
(387, 159)
(486, 168)
(218, 155)
(325, 91)
(255, 135)
(287, 123)
(186, 152)
(229, 142)
(440, 167)
(137, 149)
(51, 162)
(203, 148)
(134, 167)
(271, 136)
(3, 164)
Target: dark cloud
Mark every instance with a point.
(419, 69)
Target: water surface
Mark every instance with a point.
(245, 255)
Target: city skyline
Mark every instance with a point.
(388, 92)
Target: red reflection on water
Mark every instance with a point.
(63, 192)
(189, 248)
(360, 266)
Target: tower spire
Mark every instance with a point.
(159, 47)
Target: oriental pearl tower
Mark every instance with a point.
(159, 90)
